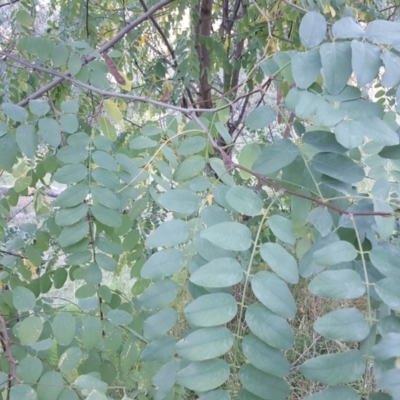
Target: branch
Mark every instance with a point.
(7, 347)
(10, 253)
(229, 165)
(66, 77)
(9, 3)
(321, 202)
(102, 49)
(161, 32)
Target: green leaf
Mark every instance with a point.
(335, 393)
(228, 235)
(350, 134)
(165, 379)
(50, 131)
(327, 114)
(365, 61)
(88, 383)
(29, 369)
(379, 131)
(70, 216)
(169, 233)
(73, 234)
(105, 160)
(224, 133)
(162, 264)
(335, 253)
(27, 140)
(205, 343)
(180, 200)
(266, 386)
(338, 167)
(388, 291)
(74, 64)
(22, 391)
(211, 310)
(276, 156)
(23, 299)
(72, 154)
(22, 183)
(71, 106)
(59, 55)
(312, 29)
(29, 330)
(264, 357)
(244, 200)
(15, 112)
(69, 123)
(389, 381)
(347, 28)
(324, 141)
(340, 284)
(391, 152)
(261, 117)
(72, 196)
(24, 18)
(220, 272)
(159, 324)
(381, 31)
(247, 156)
(105, 197)
(119, 317)
(63, 326)
(216, 395)
(345, 325)
(306, 67)
(159, 350)
(322, 220)
(204, 375)
(8, 151)
(50, 385)
(218, 166)
(159, 294)
(332, 369)
(107, 128)
(385, 258)
(71, 173)
(274, 294)
(269, 327)
(91, 332)
(391, 62)
(106, 216)
(106, 263)
(192, 145)
(208, 250)
(3, 128)
(336, 65)
(388, 347)
(70, 359)
(106, 178)
(282, 228)
(280, 261)
(189, 168)
(142, 142)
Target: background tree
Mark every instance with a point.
(236, 162)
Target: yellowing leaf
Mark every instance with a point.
(107, 128)
(128, 84)
(112, 110)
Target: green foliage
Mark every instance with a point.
(219, 171)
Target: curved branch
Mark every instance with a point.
(102, 49)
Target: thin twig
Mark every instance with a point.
(7, 346)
